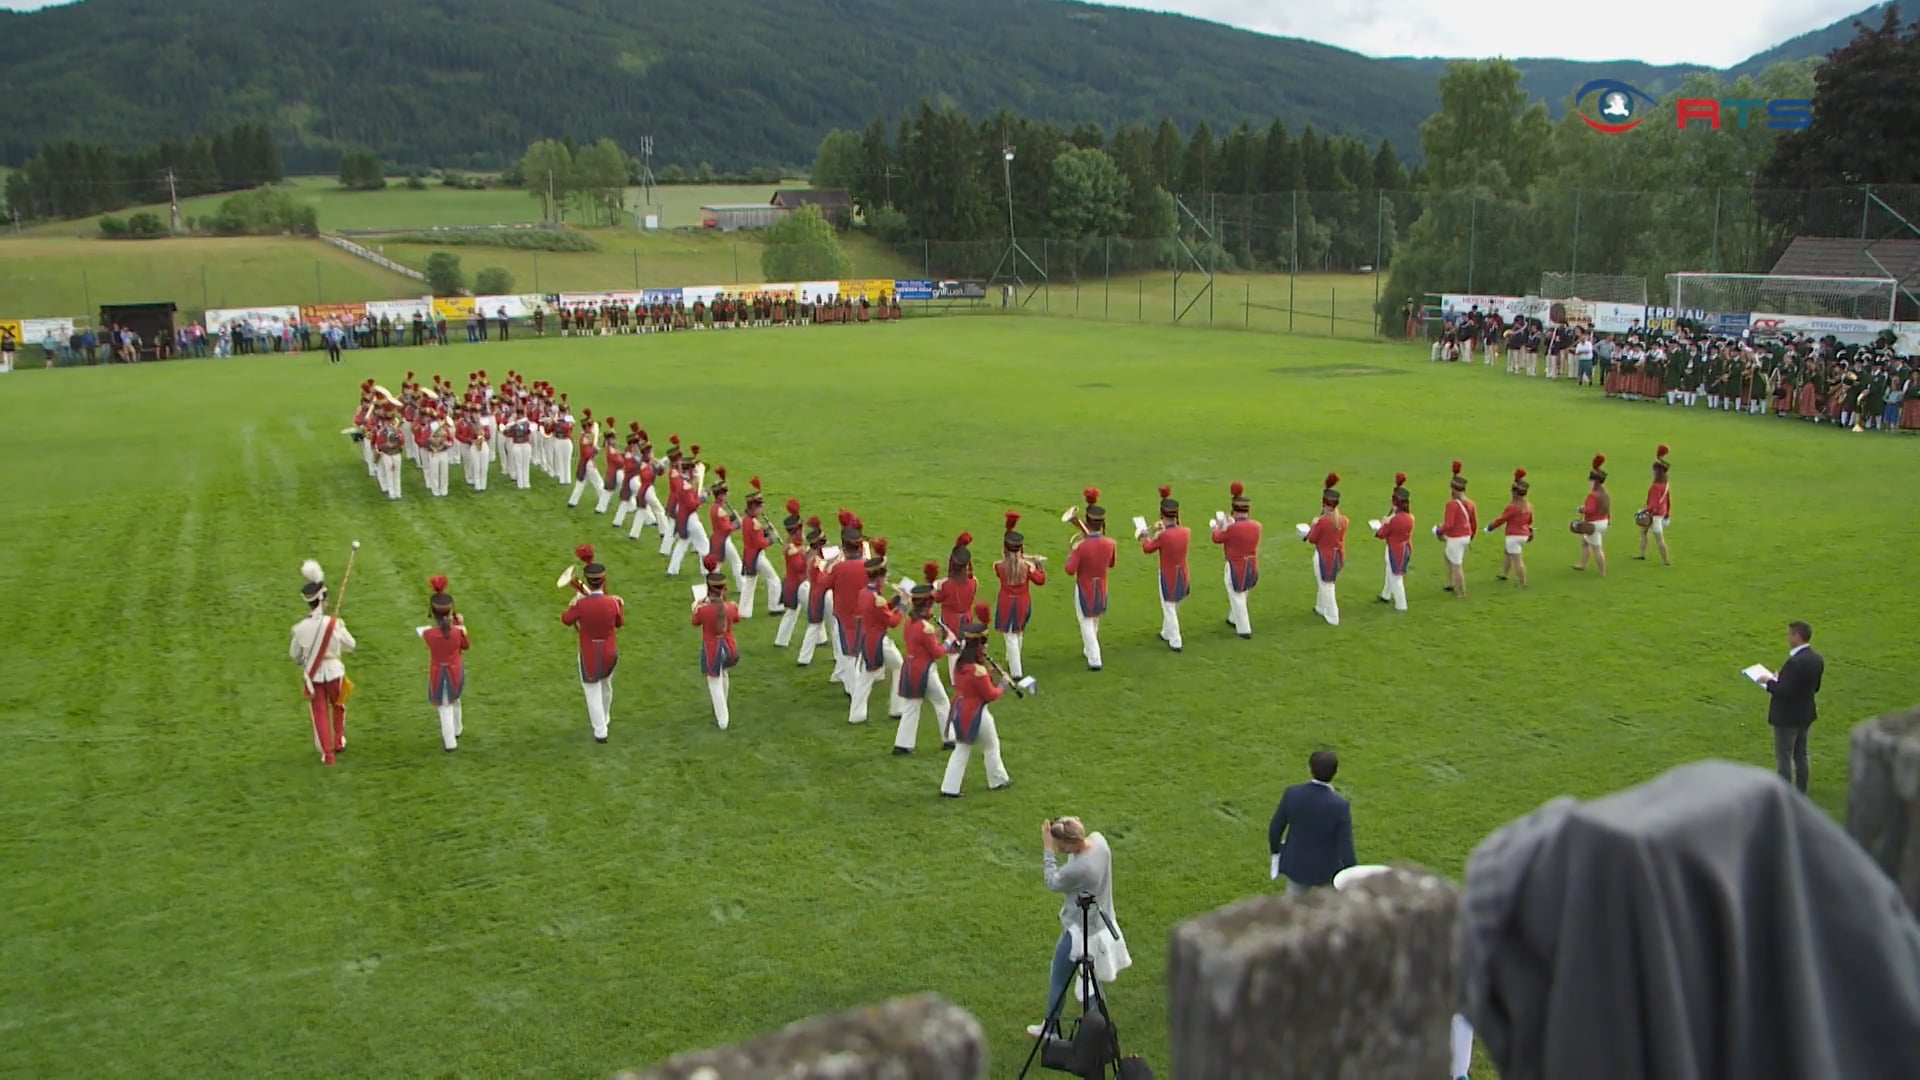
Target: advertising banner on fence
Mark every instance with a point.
(1730, 323)
(1454, 305)
(452, 308)
(662, 296)
(960, 290)
(701, 294)
(234, 316)
(625, 298)
(1851, 331)
(519, 306)
(913, 290)
(1666, 320)
(34, 331)
(872, 289)
(812, 292)
(18, 331)
(344, 314)
(401, 310)
(1611, 318)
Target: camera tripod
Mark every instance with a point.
(1053, 1049)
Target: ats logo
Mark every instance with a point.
(1617, 107)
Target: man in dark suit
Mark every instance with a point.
(1792, 710)
(1311, 837)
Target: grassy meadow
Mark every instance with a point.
(190, 890)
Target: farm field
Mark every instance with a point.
(192, 891)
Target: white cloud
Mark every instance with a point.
(1656, 31)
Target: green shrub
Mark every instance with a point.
(493, 281)
(146, 224)
(512, 239)
(113, 227)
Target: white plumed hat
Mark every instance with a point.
(316, 587)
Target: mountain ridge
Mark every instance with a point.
(431, 83)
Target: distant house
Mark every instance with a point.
(831, 201)
(1848, 257)
(728, 217)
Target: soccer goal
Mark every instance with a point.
(1784, 294)
(1608, 288)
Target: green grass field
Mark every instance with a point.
(191, 891)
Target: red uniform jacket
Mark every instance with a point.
(446, 674)
(1463, 519)
(720, 524)
(797, 560)
(1014, 606)
(877, 616)
(616, 471)
(848, 583)
(1241, 538)
(1171, 545)
(817, 585)
(925, 647)
(686, 503)
(753, 541)
(1397, 531)
(1659, 502)
(1590, 509)
(955, 597)
(1088, 565)
(1518, 519)
(718, 650)
(588, 452)
(1328, 535)
(597, 617)
(973, 690)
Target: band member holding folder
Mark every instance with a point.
(716, 616)
(1170, 540)
(1013, 606)
(1328, 535)
(1239, 535)
(1517, 520)
(1093, 556)
(1397, 532)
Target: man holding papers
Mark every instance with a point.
(1792, 710)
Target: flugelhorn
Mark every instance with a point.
(566, 577)
(1071, 515)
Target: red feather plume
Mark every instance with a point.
(1092, 495)
(1013, 518)
(963, 539)
(982, 613)
(793, 507)
(610, 422)
(1519, 475)
(930, 571)
(721, 472)
(584, 553)
(813, 522)
(409, 376)
(879, 548)
(1166, 491)
(694, 449)
(1599, 460)
(1333, 479)
(1456, 468)
(1662, 452)
(1399, 479)
(643, 434)
(438, 583)
(674, 439)
(753, 482)
(633, 426)
(1236, 489)
(846, 517)
(857, 523)
(711, 562)
(586, 414)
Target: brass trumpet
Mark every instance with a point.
(1071, 515)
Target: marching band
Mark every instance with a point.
(841, 592)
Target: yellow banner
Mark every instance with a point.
(873, 290)
(12, 326)
(452, 307)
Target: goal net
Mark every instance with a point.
(1609, 288)
(1784, 294)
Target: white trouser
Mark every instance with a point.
(563, 459)
(763, 577)
(1170, 623)
(449, 725)
(522, 457)
(988, 740)
(438, 469)
(657, 512)
(607, 493)
(599, 704)
(482, 461)
(366, 452)
(791, 617)
(696, 541)
(844, 665)
(730, 556)
(642, 513)
(1325, 605)
(1462, 1047)
(588, 482)
(1089, 632)
(864, 680)
(811, 638)
(1396, 586)
(907, 734)
(717, 687)
(390, 475)
(1014, 645)
(1236, 605)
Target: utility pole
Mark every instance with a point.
(173, 202)
(550, 216)
(647, 183)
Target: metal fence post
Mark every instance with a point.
(736, 261)
(536, 271)
(204, 304)
(636, 268)
(1333, 309)
(1713, 254)
(1140, 301)
(1574, 276)
(1248, 308)
(86, 293)
(926, 256)
(1106, 278)
(1379, 253)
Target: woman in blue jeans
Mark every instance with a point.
(1088, 871)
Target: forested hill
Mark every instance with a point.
(728, 82)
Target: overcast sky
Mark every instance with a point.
(1657, 31)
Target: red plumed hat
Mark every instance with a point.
(1597, 472)
(1332, 479)
(1092, 495)
(963, 539)
(930, 571)
(1520, 481)
(845, 517)
(633, 426)
(584, 553)
(1458, 480)
(1331, 496)
(793, 507)
(1399, 479)
(1236, 489)
(438, 583)
(643, 435)
(674, 439)
(1013, 519)
(409, 376)
(694, 449)
(813, 523)
(1166, 490)
(1660, 458)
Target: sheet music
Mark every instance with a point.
(422, 630)
(1139, 525)
(1302, 528)
(1757, 673)
(699, 593)
(1374, 524)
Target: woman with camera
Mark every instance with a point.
(1088, 871)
